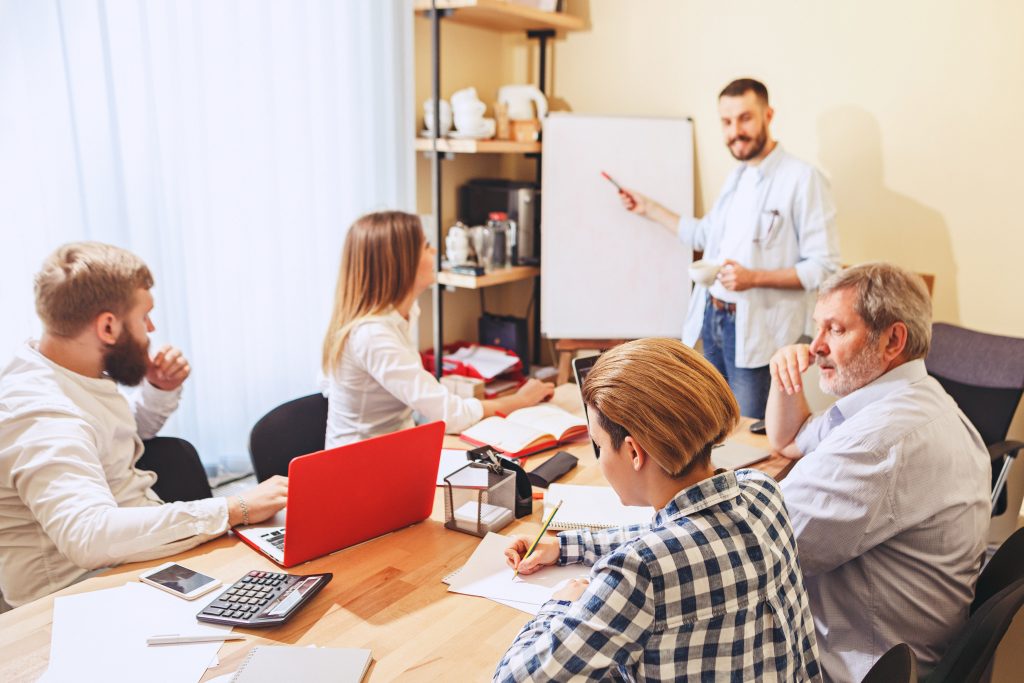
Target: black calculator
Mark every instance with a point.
(263, 599)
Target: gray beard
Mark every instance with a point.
(862, 369)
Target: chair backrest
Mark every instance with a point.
(292, 429)
(984, 373)
(898, 665)
(180, 473)
(1005, 568)
(970, 654)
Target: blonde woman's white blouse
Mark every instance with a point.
(380, 381)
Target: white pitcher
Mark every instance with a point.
(521, 100)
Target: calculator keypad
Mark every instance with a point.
(257, 597)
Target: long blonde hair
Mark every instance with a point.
(378, 269)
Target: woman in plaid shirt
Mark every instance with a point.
(711, 590)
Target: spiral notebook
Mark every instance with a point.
(307, 664)
(591, 507)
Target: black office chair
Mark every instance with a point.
(292, 429)
(898, 665)
(984, 373)
(180, 473)
(970, 655)
(1005, 568)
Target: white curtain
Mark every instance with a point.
(228, 143)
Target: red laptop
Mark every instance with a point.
(350, 494)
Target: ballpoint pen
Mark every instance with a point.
(176, 638)
(539, 536)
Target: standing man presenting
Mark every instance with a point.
(773, 230)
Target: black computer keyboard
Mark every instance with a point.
(263, 599)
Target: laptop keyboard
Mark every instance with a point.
(274, 538)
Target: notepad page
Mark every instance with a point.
(547, 419)
(592, 507)
(504, 434)
(278, 664)
(733, 455)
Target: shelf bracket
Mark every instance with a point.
(542, 36)
(441, 13)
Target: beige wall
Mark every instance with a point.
(912, 109)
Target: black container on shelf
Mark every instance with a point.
(519, 199)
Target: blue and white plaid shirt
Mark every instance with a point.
(711, 591)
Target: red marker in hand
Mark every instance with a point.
(632, 201)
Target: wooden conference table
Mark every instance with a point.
(386, 594)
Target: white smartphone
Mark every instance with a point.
(179, 580)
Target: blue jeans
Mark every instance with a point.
(749, 385)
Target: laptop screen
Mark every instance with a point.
(581, 367)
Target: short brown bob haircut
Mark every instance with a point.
(665, 395)
(81, 280)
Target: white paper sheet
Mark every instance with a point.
(101, 636)
(455, 459)
(488, 362)
(486, 575)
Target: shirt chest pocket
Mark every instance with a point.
(771, 223)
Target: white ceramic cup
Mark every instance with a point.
(704, 272)
(464, 96)
(469, 116)
(446, 116)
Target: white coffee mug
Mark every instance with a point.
(704, 272)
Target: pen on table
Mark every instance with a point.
(539, 536)
(175, 638)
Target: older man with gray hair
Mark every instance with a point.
(889, 497)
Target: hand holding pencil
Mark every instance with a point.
(527, 554)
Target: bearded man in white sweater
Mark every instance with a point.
(71, 497)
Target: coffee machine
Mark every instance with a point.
(519, 199)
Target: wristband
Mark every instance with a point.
(245, 510)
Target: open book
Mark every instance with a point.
(527, 430)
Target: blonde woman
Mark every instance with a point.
(375, 379)
(711, 588)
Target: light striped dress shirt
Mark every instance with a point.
(890, 505)
(711, 591)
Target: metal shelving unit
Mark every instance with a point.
(500, 16)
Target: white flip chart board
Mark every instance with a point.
(607, 273)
